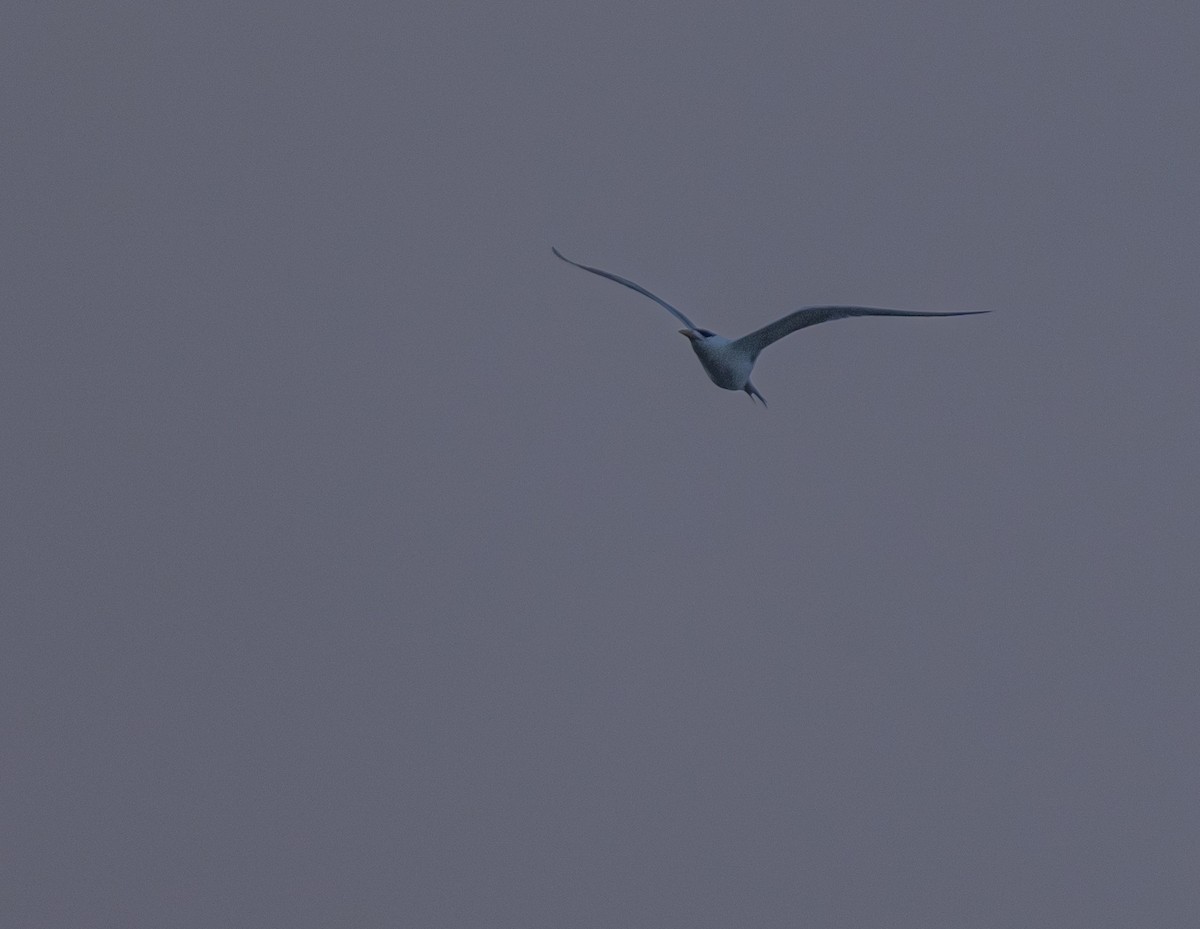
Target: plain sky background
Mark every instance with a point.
(364, 565)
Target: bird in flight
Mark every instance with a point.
(728, 362)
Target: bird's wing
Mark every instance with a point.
(756, 341)
(631, 285)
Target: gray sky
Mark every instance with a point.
(363, 565)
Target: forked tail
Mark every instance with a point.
(754, 394)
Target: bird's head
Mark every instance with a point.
(696, 335)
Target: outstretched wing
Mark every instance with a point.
(756, 341)
(632, 286)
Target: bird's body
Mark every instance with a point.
(725, 365)
(728, 362)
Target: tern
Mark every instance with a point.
(728, 362)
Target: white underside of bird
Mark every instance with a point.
(728, 362)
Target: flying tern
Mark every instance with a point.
(728, 362)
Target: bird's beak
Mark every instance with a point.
(686, 332)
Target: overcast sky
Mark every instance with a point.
(366, 566)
